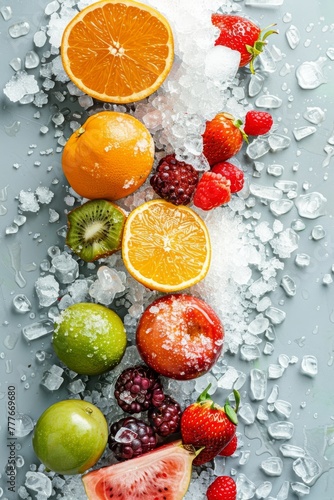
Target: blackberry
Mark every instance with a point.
(165, 419)
(174, 181)
(137, 388)
(131, 437)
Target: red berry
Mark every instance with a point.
(232, 173)
(174, 181)
(222, 138)
(230, 448)
(241, 34)
(212, 191)
(257, 122)
(222, 488)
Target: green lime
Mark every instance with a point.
(89, 338)
(70, 436)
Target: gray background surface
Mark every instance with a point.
(310, 313)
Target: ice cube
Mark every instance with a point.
(19, 29)
(37, 329)
(66, 268)
(39, 482)
(258, 384)
(221, 63)
(309, 365)
(28, 201)
(311, 205)
(21, 303)
(272, 466)
(24, 425)
(20, 85)
(47, 289)
(281, 430)
(307, 468)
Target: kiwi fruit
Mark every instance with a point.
(95, 229)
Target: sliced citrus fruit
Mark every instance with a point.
(166, 247)
(118, 51)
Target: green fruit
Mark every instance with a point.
(160, 474)
(95, 229)
(70, 436)
(89, 338)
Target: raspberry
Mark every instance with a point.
(232, 173)
(137, 388)
(165, 419)
(257, 122)
(212, 191)
(230, 447)
(222, 488)
(131, 437)
(174, 180)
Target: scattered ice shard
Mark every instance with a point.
(19, 29)
(288, 285)
(20, 85)
(245, 487)
(286, 185)
(246, 413)
(272, 466)
(302, 260)
(275, 371)
(37, 329)
(293, 36)
(302, 132)
(39, 482)
(6, 12)
(309, 365)
(281, 207)
(255, 84)
(265, 192)
(258, 384)
(257, 148)
(283, 408)
(66, 268)
(28, 201)
(285, 243)
(275, 170)
(307, 468)
(268, 101)
(258, 325)
(263, 490)
(283, 491)
(40, 38)
(229, 378)
(281, 430)
(249, 352)
(31, 60)
(221, 63)
(52, 379)
(314, 115)
(300, 489)
(329, 150)
(47, 289)
(292, 451)
(318, 232)
(310, 73)
(76, 386)
(21, 303)
(278, 142)
(261, 414)
(268, 63)
(264, 3)
(24, 425)
(311, 205)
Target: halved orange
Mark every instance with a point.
(118, 50)
(166, 247)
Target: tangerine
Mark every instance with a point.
(109, 157)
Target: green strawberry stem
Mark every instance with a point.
(230, 412)
(259, 45)
(238, 123)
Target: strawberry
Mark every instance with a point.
(222, 138)
(241, 34)
(206, 424)
(212, 191)
(232, 173)
(222, 488)
(257, 122)
(230, 448)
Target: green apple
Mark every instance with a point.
(70, 436)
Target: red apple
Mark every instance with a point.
(180, 336)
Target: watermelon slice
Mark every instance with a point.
(161, 474)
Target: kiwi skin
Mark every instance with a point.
(95, 229)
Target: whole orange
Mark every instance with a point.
(109, 157)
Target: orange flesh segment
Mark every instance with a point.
(118, 51)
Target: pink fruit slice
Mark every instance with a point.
(162, 474)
